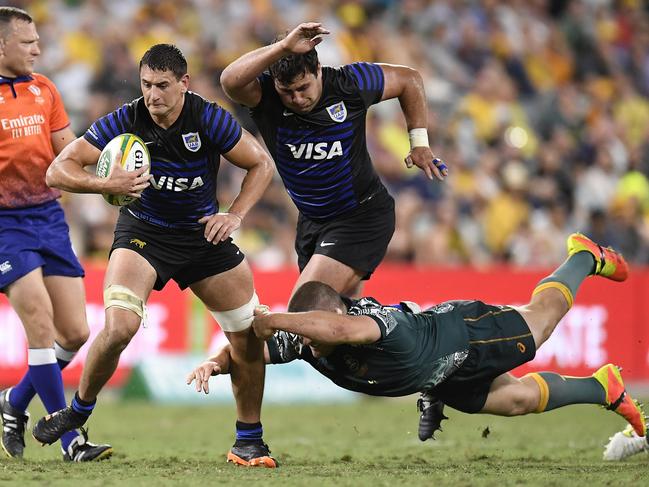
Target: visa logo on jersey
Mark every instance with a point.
(176, 184)
(316, 151)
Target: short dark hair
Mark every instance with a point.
(290, 67)
(7, 14)
(314, 295)
(165, 57)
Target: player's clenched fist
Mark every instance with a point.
(261, 322)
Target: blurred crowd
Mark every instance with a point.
(539, 107)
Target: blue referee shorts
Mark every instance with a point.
(32, 237)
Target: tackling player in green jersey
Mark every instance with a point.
(459, 352)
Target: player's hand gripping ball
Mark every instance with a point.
(135, 154)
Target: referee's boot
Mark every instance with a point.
(81, 450)
(608, 262)
(432, 414)
(251, 453)
(619, 400)
(50, 428)
(14, 422)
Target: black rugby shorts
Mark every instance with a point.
(183, 255)
(358, 239)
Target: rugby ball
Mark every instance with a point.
(134, 155)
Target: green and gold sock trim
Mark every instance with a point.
(545, 391)
(562, 288)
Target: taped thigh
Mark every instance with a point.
(122, 297)
(237, 319)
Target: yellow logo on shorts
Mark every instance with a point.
(138, 242)
(521, 347)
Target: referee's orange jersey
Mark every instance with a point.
(30, 110)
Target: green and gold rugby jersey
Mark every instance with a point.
(416, 351)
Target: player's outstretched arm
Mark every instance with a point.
(67, 172)
(407, 85)
(218, 364)
(239, 79)
(322, 327)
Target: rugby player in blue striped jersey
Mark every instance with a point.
(312, 119)
(173, 230)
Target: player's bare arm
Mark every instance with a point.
(322, 327)
(407, 85)
(248, 154)
(239, 79)
(67, 173)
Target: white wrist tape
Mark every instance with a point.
(418, 138)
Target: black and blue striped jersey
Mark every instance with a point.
(322, 156)
(184, 158)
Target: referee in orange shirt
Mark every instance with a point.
(39, 272)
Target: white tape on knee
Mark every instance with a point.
(123, 297)
(237, 319)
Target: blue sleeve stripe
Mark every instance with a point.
(371, 75)
(358, 75)
(231, 142)
(100, 141)
(233, 135)
(379, 71)
(376, 76)
(99, 130)
(206, 116)
(227, 131)
(238, 133)
(123, 119)
(112, 120)
(106, 128)
(373, 71)
(219, 122)
(118, 114)
(226, 127)
(208, 119)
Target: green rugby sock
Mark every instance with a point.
(558, 391)
(568, 276)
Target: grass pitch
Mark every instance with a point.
(371, 442)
